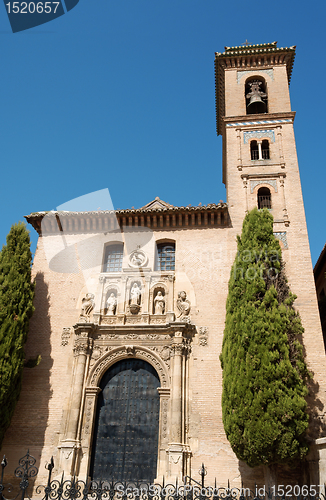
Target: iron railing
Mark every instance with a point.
(264, 202)
(190, 489)
(264, 154)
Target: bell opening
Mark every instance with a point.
(256, 97)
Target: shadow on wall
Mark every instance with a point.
(30, 419)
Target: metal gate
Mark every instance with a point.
(125, 440)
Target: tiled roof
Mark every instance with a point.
(151, 216)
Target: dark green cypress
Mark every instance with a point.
(16, 308)
(264, 373)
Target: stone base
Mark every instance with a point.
(68, 452)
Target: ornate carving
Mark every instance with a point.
(164, 353)
(120, 353)
(134, 319)
(183, 306)
(130, 350)
(175, 458)
(97, 352)
(81, 348)
(203, 336)
(132, 336)
(138, 258)
(282, 237)
(158, 321)
(107, 336)
(89, 406)
(65, 335)
(164, 418)
(87, 307)
(178, 349)
(258, 134)
(102, 279)
(109, 321)
(270, 182)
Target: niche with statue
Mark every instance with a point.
(158, 300)
(111, 302)
(135, 297)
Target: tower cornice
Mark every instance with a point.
(270, 119)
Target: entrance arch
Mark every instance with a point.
(125, 442)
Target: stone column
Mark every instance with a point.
(245, 185)
(260, 154)
(176, 446)
(280, 146)
(89, 413)
(163, 442)
(170, 302)
(238, 131)
(285, 213)
(70, 445)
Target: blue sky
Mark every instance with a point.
(119, 94)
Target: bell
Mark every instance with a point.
(256, 104)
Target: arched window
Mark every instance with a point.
(113, 258)
(125, 443)
(256, 96)
(265, 149)
(264, 198)
(165, 258)
(259, 150)
(254, 150)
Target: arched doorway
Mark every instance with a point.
(125, 442)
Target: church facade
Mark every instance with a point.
(130, 306)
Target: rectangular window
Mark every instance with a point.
(114, 256)
(165, 257)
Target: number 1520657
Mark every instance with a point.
(32, 7)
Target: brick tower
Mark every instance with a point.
(260, 168)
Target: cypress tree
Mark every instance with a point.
(16, 308)
(264, 373)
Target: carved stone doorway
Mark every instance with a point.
(125, 443)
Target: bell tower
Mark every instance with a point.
(260, 169)
(255, 120)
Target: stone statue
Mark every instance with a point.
(183, 306)
(135, 294)
(159, 303)
(111, 304)
(87, 307)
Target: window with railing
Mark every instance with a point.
(254, 150)
(265, 150)
(264, 198)
(113, 258)
(259, 150)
